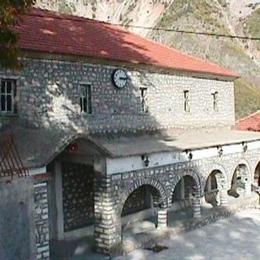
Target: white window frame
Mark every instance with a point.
(3, 92)
(86, 98)
(143, 100)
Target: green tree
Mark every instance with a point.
(9, 18)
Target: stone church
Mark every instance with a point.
(116, 129)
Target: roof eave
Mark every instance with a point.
(132, 65)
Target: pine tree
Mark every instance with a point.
(9, 18)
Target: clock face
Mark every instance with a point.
(119, 78)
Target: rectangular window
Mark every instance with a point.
(186, 94)
(144, 105)
(85, 99)
(215, 101)
(8, 96)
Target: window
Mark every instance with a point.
(85, 99)
(215, 101)
(144, 106)
(8, 96)
(186, 100)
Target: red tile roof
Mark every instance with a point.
(50, 32)
(250, 123)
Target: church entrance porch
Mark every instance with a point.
(121, 200)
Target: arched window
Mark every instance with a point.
(240, 181)
(184, 189)
(144, 197)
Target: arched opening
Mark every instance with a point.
(212, 188)
(257, 175)
(183, 192)
(72, 195)
(240, 183)
(140, 209)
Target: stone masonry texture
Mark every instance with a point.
(41, 221)
(165, 178)
(113, 191)
(49, 94)
(78, 195)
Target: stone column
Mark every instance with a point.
(222, 187)
(247, 186)
(107, 221)
(162, 218)
(223, 197)
(41, 220)
(196, 205)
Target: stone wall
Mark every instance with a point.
(49, 95)
(41, 221)
(78, 195)
(165, 178)
(113, 191)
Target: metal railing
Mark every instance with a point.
(10, 161)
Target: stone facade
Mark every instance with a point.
(41, 221)
(121, 195)
(78, 195)
(49, 95)
(118, 187)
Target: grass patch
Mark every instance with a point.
(206, 12)
(247, 98)
(253, 25)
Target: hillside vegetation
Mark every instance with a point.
(253, 26)
(214, 16)
(217, 16)
(247, 98)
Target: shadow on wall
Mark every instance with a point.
(50, 92)
(56, 88)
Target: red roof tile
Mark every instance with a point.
(250, 123)
(50, 32)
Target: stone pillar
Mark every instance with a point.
(107, 220)
(41, 221)
(196, 205)
(222, 187)
(247, 186)
(223, 197)
(162, 218)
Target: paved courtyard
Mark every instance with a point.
(237, 237)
